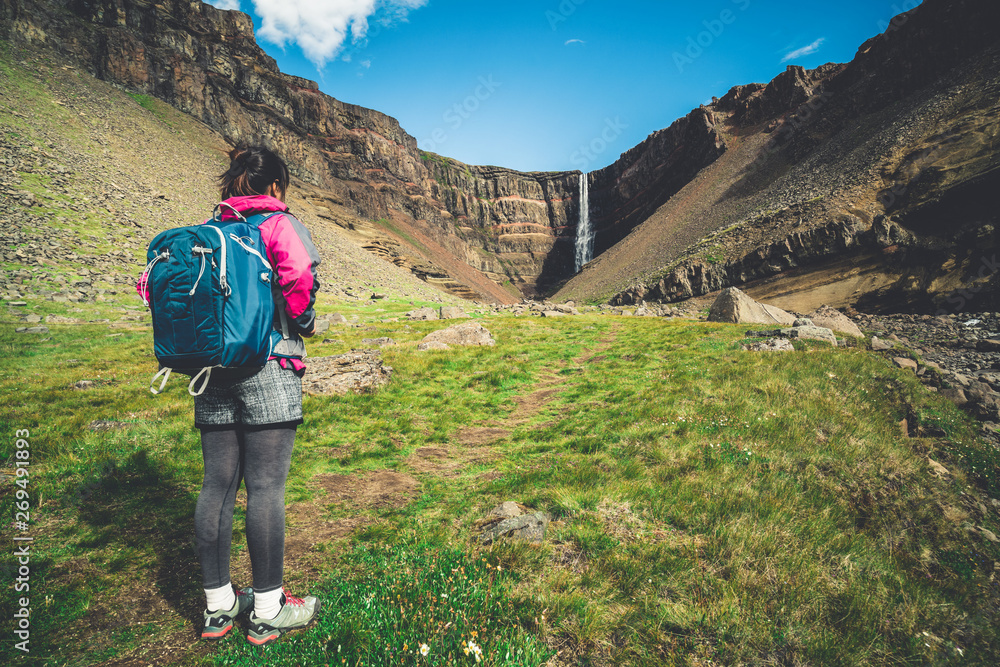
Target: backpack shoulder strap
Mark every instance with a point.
(258, 220)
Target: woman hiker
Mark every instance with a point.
(248, 423)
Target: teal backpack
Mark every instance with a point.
(209, 293)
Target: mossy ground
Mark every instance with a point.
(710, 505)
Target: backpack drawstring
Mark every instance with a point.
(144, 278)
(202, 252)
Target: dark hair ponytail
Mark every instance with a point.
(252, 170)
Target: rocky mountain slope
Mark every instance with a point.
(481, 226)
(89, 174)
(859, 184)
(867, 184)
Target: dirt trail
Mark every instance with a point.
(472, 445)
(310, 526)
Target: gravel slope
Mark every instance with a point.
(89, 174)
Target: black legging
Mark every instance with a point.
(261, 458)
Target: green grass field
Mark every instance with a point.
(709, 505)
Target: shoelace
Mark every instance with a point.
(292, 600)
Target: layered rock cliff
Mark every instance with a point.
(905, 133)
(204, 61)
(819, 164)
(627, 192)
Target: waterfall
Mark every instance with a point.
(584, 234)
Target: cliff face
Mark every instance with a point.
(521, 226)
(903, 137)
(627, 192)
(891, 134)
(205, 62)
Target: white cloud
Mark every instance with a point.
(224, 4)
(574, 41)
(804, 51)
(320, 27)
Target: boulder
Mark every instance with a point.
(831, 318)
(937, 468)
(337, 318)
(812, 333)
(451, 313)
(505, 510)
(988, 345)
(466, 333)
(905, 362)
(383, 341)
(358, 371)
(961, 379)
(955, 395)
(771, 345)
(880, 345)
(553, 313)
(513, 521)
(735, 307)
(804, 333)
(984, 403)
(422, 314)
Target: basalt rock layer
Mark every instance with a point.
(868, 184)
(505, 226)
(786, 187)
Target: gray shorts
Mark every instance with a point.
(271, 398)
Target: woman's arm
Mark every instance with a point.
(294, 258)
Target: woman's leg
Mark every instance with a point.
(213, 515)
(268, 457)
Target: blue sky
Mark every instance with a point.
(550, 84)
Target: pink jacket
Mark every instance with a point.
(292, 254)
(290, 251)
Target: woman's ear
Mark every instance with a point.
(274, 190)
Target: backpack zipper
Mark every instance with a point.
(222, 271)
(201, 251)
(250, 250)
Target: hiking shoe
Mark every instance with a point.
(219, 623)
(295, 613)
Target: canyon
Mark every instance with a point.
(863, 184)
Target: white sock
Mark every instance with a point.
(267, 605)
(222, 598)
